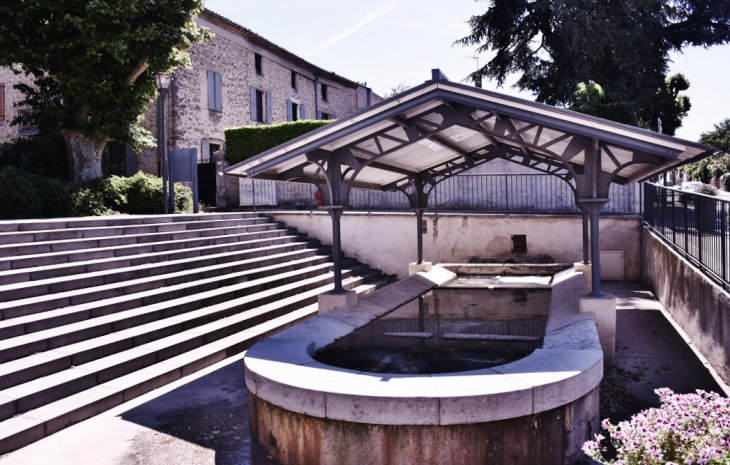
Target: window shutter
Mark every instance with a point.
(319, 114)
(268, 108)
(211, 90)
(205, 151)
(130, 161)
(289, 113)
(333, 116)
(302, 113)
(218, 92)
(253, 103)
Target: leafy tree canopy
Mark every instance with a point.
(93, 63)
(622, 44)
(719, 137)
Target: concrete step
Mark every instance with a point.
(23, 237)
(94, 312)
(8, 250)
(167, 312)
(89, 266)
(101, 253)
(35, 424)
(56, 298)
(86, 277)
(27, 324)
(118, 220)
(77, 369)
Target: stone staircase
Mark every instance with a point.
(97, 311)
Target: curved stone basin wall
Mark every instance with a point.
(538, 409)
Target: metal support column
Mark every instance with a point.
(595, 255)
(336, 213)
(586, 255)
(419, 233)
(163, 150)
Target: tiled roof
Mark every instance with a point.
(254, 38)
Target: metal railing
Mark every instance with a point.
(25, 128)
(478, 193)
(694, 225)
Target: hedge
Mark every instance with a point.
(25, 195)
(247, 141)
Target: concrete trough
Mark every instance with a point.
(539, 409)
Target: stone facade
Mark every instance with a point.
(232, 55)
(8, 79)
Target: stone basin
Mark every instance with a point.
(538, 409)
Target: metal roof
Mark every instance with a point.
(442, 128)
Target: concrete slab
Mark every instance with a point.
(330, 300)
(604, 312)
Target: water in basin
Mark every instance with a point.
(447, 330)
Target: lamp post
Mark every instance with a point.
(163, 81)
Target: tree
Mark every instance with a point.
(92, 64)
(719, 137)
(669, 106)
(400, 88)
(622, 44)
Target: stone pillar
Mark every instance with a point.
(604, 312)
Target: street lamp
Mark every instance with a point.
(163, 81)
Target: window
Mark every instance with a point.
(293, 80)
(324, 91)
(215, 98)
(260, 105)
(294, 111)
(325, 116)
(2, 102)
(27, 127)
(257, 63)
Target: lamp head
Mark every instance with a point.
(163, 80)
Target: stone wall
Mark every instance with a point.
(10, 79)
(387, 241)
(699, 306)
(231, 55)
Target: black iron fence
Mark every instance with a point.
(694, 225)
(25, 128)
(478, 193)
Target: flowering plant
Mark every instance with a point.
(686, 429)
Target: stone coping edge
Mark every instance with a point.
(281, 370)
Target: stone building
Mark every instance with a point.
(236, 78)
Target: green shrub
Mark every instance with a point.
(18, 198)
(247, 141)
(28, 196)
(88, 198)
(39, 155)
(726, 182)
(707, 190)
(142, 195)
(25, 195)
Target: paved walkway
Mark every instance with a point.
(203, 419)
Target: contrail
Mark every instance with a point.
(381, 10)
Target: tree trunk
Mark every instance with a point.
(84, 155)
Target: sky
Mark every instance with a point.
(387, 42)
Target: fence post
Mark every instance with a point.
(723, 239)
(698, 227)
(506, 192)
(253, 194)
(674, 229)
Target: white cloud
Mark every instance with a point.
(379, 11)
